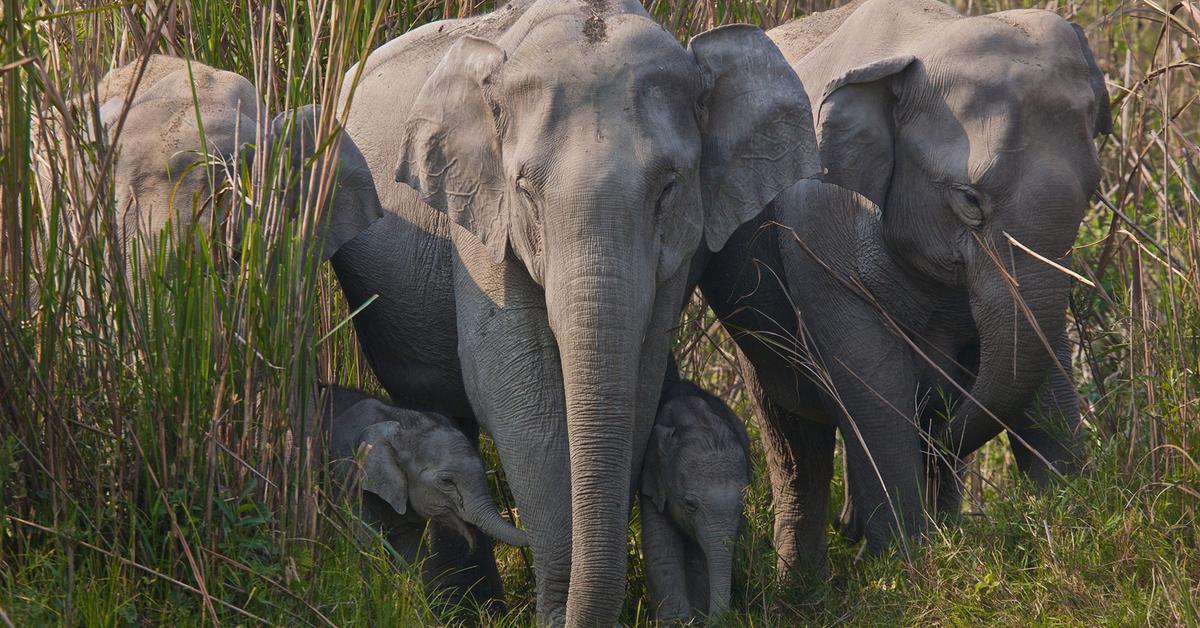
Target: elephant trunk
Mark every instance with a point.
(1013, 337)
(482, 514)
(718, 555)
(598, 315)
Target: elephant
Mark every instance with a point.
(970, 143)
(179, 128)
(556, 166)
(696, 468)
(417, 467)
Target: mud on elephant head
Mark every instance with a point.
(181, 129)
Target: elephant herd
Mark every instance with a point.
(877, 202)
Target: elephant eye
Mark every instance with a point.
(667, 196)
(525, 187)
(691, 503)
(446, 481)
(967, 203)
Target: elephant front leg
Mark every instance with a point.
(873, 394)
(663, 548)
(800, 463)
(458, 574)
(512, 375)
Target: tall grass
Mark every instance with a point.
(154, 449)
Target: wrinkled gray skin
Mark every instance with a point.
(416, 467)
(961, 129)
(696, 468)
(160, 176)
(559, 165)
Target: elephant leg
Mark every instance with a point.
(663, 547)
(947, 476)
(512, 373)
(404, 536)
(873, 394)
(800, 463)
(459, 576)
(1054, 433)
(944, 481)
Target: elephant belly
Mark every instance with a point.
(408, 333)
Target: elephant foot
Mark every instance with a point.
(848, 524)
(793, 570)
(552, 618)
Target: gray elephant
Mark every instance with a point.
(557, 165)
(973, 136)
(179, 129)
(417, 467)
(696, 468)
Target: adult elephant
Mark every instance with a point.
(973, 136)
(555, 166)
(180, 128)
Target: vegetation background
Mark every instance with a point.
(154, 470)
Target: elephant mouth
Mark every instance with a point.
(460, 527)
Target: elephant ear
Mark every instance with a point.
(655, 467)
(757, 128)
(350, 204)
(450, 148)
(1102, 124)
(381, 470)
(856, 126)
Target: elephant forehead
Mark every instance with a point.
(446, 444)
(703, 459)
(1027, 58)
(566, 50)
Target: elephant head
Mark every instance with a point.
(587, 146)
(180, 129)
(420, 459)
(975, 138)
(697, 466)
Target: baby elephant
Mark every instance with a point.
(697, 465)
(416, 467)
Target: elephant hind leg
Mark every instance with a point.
(800, 461)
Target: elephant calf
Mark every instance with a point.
(697, 464)
(413, 466)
